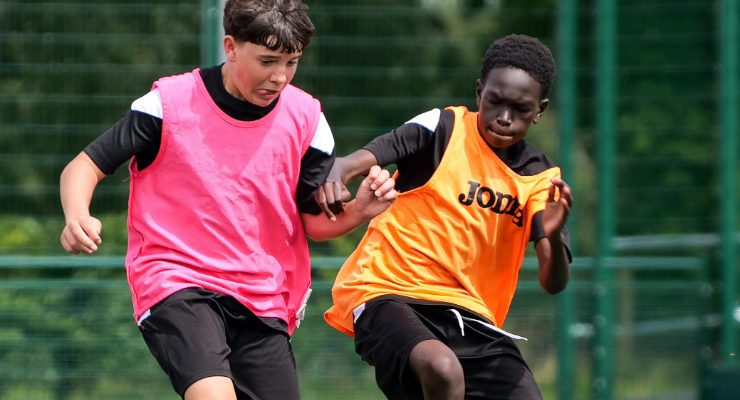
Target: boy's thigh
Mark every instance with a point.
(385, 334)
(387, 331)
(499, 377)
(493, 366)
(263, 365)
(196, 333)
(186, 335)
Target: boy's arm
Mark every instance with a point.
(375, 195)
(81, 232)
(333, 194)
(551, 254)
(421, 136)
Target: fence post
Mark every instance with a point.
(211, 31)
(606, 121)
(728, 113)
(567, 24)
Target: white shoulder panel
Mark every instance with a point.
(323, 139)
(428, 120)
(149, 103)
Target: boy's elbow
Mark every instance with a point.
(316, 227)
(312, 233)
(82, 166)
(317, 237)
(556, 285)
(554, 289)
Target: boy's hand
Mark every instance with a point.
(557, 208)
(376, 192)
(81, 235)
(331, 197)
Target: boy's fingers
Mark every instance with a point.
(67, 244)
(387, 186)
(328, 192)
(551, 192)
(379, 178)
(92, 229)
(320, 198)
(339, 195)
(80, 241)
(391, 195)
(372, 174)
(346, 195)
(369, 179)
(564, 191)
(81, 236)
(94, 235)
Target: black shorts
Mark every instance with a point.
(196, 333)
(390, 326)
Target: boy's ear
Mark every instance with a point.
(229, 47)
(542, 107)
(478, 91)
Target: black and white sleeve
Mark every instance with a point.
(138, 133)
(416, 147)
(315, 166)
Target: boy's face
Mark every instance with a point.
(508, 102)
(255, 73)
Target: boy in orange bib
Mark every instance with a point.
(427, 290)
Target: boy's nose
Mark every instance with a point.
(504, 118)
(280, 76)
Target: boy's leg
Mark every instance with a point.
(212, 347)
(439, 371)
(492, 364)
(211, 388)
(186, 335)
(501, 376)
(410, 363)
(261, 359)
(494, 367)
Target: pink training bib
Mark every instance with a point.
(216, 209)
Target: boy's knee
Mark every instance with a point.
(444, 370)
(438, 369)
(211, 388)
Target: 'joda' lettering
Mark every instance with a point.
(497, 202)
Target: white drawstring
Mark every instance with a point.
(459, 320)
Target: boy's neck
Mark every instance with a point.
(231, 89)
(509, 154)
(235, 108)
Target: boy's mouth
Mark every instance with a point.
(268, 94)
(501, 134)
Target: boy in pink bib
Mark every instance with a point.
(225, 163)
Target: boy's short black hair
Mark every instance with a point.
(275, 24)
(525, 53)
